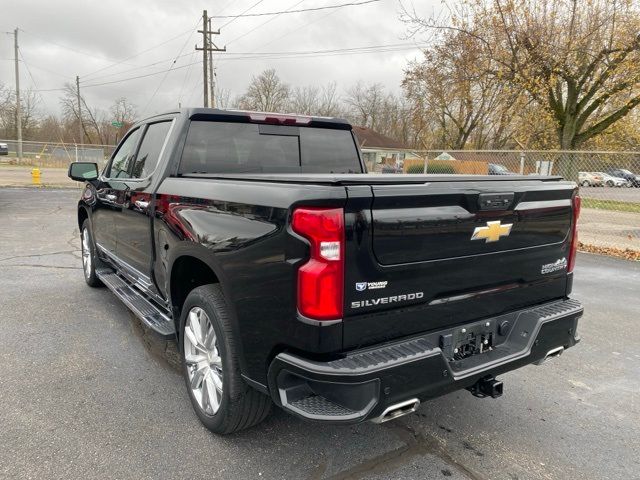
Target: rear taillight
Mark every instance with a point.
(321, 278)
(574, 233)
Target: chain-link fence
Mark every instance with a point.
(609, 182)
(55, 154)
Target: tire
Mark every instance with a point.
(586, 184)
(224, 403)
(90, 259)
(610, 183)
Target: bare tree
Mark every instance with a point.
(222, 97)
(93, 121)
(329, 101)
(29, 110)
(71, 112)
(50, 130)
(364, 103)
(373, 107)
(123, 111)
(266, 93)
(305, 100)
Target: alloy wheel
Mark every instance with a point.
(86, 253)
(203, 361)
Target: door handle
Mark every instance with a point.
(142, 205)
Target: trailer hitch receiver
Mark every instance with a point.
(487, 387)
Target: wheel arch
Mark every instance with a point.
(188, 272)
(189, 268)
(83, 214)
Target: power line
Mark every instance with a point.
(92, 55)
(139, 53)
(263, 23)
(41, 97)
(194, 29)
(187, 76)
(120, 80)
(225, 7)
(314, 9)
(194, 89)
(136, 77)
(139, 68)
(44, 69)
(329, 52)
(235, 17)
(304, 25)
(268, 55)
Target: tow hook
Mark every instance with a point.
(487, 387)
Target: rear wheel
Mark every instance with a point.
(89, 258)
(222, 400)
(609, 183)
(585, 183)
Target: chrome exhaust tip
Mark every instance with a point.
(553, 353)
(398, 410)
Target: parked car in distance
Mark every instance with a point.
(498, 169)
(611, 181)
(632, 178)
(288, 275)
(4, 149)
(590, 179)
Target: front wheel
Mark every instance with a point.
(585, 183)
(222, 400)
(89, 258)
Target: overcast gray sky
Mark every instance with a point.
(64, 38)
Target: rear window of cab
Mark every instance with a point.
(229, 147)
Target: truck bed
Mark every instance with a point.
(369, 179)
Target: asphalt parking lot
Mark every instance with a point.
(85, 392)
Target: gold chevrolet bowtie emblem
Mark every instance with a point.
(492, 232)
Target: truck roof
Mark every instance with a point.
(231, 115)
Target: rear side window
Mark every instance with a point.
(150, 148)
(225, 147)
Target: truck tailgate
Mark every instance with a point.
(443, 253)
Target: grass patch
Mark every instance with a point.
(611, 205)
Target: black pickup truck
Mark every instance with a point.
(290, 276)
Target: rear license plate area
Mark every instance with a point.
(469, 340)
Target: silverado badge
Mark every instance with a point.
(492, 232)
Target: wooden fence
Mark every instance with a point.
(465, 167)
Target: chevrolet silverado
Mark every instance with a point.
(288, 275)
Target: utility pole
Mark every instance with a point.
(205, 56)
(207, 47)
(18, 110)
(212, 82)
(80, 125)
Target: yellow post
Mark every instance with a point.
(35, 176)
